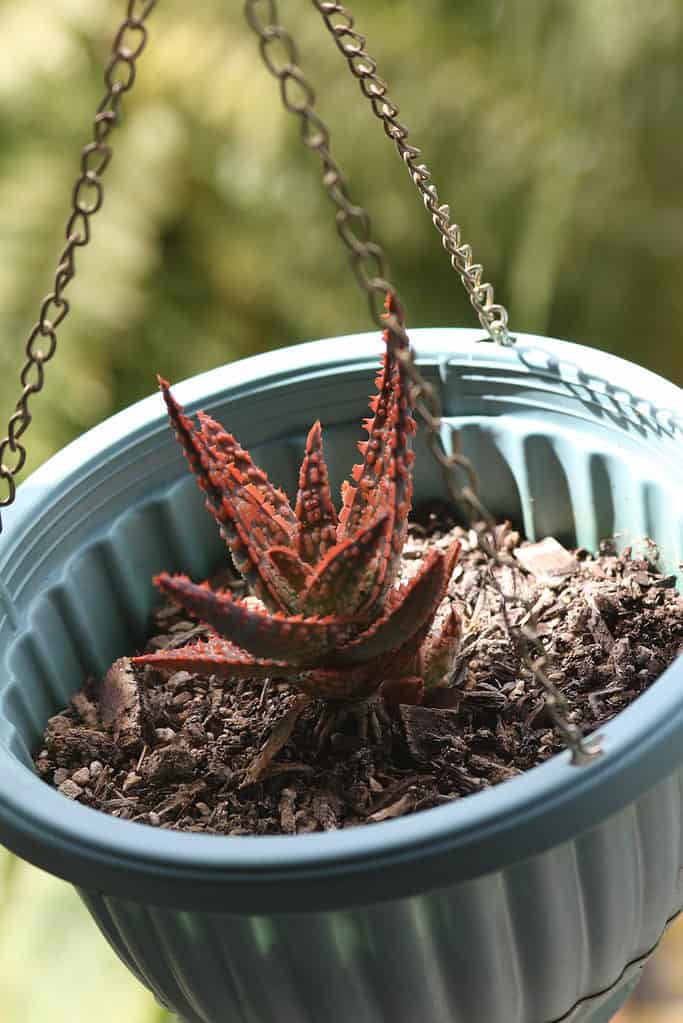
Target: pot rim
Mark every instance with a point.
(486, 831)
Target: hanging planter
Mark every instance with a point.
(520, 904)
(533, 902)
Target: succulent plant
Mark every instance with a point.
(325, 612)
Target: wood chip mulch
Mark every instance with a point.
(192, 752)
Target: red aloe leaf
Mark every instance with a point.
(337, 683)
(292, 569)
(249, 523)
(409, 615)
(314, 509)
(251, 485)
(216, 656)
(261, 519)
(295, 640)
(409, 609)
(384, 479)
(361, 497)
(199, 459)
(347, 577)
(439, 651)
(407, 660)
(408, 689)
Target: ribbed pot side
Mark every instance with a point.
(521, 945)
(532, 902)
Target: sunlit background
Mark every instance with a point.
(553, 128)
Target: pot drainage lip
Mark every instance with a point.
(628, 977)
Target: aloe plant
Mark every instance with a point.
(326, 612)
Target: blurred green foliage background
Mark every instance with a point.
(553, 127)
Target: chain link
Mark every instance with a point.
(86, 199)
(352, 45)
(372, 271)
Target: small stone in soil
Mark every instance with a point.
(122, 705)
(547, 560)
(430, 731)
(170, 763)
(82, 776)
(70, 789)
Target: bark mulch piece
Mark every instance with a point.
(238, 758)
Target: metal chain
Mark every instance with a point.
(352, 45)
(86, 199)
(280, 55)
(370, 265)
(367, 258)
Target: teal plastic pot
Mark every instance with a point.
(532, 902)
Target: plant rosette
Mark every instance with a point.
(535, 901)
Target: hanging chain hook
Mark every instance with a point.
(372, 272)
(86, 199)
